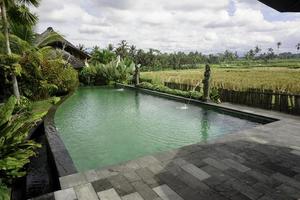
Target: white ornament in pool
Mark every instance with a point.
(184, 107)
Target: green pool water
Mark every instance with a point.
(104, 126)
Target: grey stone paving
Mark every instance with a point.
(261, 163)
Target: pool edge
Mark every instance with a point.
(63, 162)
(264, 118)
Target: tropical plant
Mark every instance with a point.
(44, 72)
(101, 56)
(298, 46)
(118, 70)
(4, 192)
(17, 12)
(122, 49)
(278, 45)
(214, 95)
(23, 32)
(257, 49)
(15, 149)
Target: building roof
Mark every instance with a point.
(63, 44)
(283, 5)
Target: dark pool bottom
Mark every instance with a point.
(102, 126)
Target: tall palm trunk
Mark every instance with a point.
(8, 50)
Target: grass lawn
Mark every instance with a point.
(44, 105)
(278, 79)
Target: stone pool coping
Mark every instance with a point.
(282, 132)
(260, 163)
(64, 164)
(264, 117)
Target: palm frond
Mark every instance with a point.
(35, 3)
(20, 14)
(24, 32)
(18, 46)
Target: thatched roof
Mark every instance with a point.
(283, 5)
(71, 53)
(75, 62)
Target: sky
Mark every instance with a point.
(172, 25)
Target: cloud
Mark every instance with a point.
(207, 26)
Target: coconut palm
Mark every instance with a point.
(298, 46)
(122, 49)
(16, 11)
(257, 50)
(278, 46)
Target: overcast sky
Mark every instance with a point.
(172, 25)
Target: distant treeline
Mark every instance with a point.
(153, 59)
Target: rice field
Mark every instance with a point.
(277, 79)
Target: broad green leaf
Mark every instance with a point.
(7, 110)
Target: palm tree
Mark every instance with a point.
(257, 50)
(16, 11)
(278, 46)
(122, 49)
(298, 46)
(132, 52)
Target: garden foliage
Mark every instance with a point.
(117, 70)
(41, 71)
(15, 149)
(214, 96)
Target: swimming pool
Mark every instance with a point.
(102, 126)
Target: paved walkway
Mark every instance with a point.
(260, 163)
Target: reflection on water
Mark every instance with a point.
(101, 126)
(137, 101)
(184, 107)
(120, 89)
(205, 126)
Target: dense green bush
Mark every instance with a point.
(100, 74)
(57, 73)
(15, 149)
(45, 73)
(161, 88)
(188, 94)
(23, 105)
(42, 72)
(4, 192)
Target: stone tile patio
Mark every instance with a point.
(261, 163)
